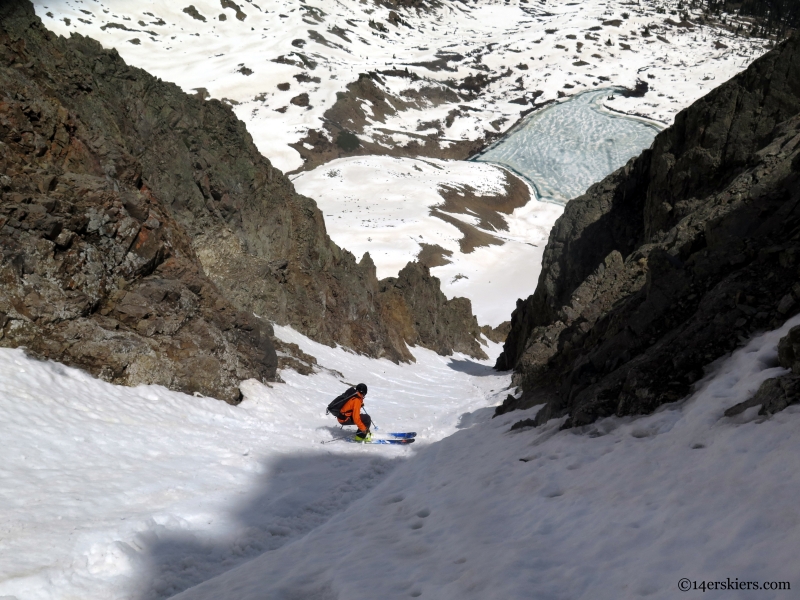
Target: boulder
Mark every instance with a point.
(772, 396)
(789, 350)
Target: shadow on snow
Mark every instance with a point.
(471, 367)
(294, 495)
(468, 419)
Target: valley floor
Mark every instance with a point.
(451, 72)
(444, 76)
(391, 206)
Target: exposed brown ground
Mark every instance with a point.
(347, 114)
(430, 146)
(465, 200)
(433, 255)
(473, 237)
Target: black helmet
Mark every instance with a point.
(362, 387)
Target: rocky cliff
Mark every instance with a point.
(414, 304)
(142, 230)
(96, 271)
(671, 261)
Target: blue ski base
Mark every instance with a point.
(380, 441)
(404, 435)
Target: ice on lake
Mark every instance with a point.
(565, 148)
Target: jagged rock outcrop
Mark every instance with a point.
(497, 334)
(416, 305)
(671, 261)
(142, 229)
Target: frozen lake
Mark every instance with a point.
(566, 147)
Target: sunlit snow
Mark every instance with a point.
(109, 492)
(113, 493)
(623, 508)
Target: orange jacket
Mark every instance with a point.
(352, 410)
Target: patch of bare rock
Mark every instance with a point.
(779, 392)
(489, 209)
(433, 255)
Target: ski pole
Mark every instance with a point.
(333, 440)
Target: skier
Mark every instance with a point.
(347, 410)
(349, 413)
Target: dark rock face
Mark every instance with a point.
(141, 228)
(94, 271)
(789, 350)
(671, 261)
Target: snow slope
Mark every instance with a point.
(140, 493)
(109, 492)
(112, 493)
(624, 508)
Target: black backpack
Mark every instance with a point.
(337, 403)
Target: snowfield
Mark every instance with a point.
(113, 493)
(110, 492)
(557, 48)
(382, 205)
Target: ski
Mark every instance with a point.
(397, 437)
(382, 441)
(404, 435)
